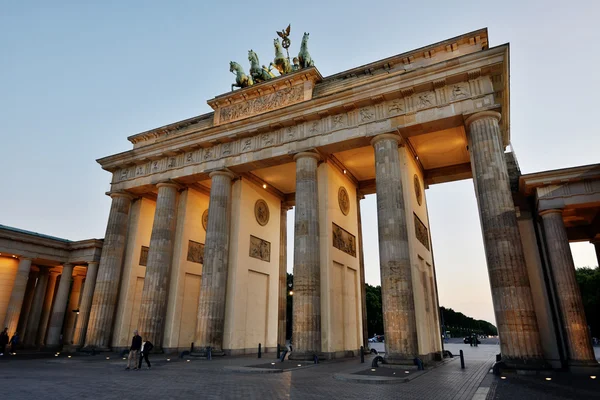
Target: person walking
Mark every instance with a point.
(147, 347)
(134, 350)
(14, 341)
(3, 341)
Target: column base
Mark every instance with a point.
(591, 367)
(399, 359)
(305, 355)
(525, 363)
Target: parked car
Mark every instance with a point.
(469, 339)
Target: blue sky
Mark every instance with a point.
(78, 77)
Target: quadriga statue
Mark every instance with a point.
(281, 63)
(258, 73)
(241, 79)
(304, 55)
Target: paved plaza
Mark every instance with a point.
(95, 377)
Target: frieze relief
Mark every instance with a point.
(259, 105)
(195, 252)
(410, 103)
(421, 232)
(260, 249)
(343, 240)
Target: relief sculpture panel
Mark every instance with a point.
(260, 249)
(269, 102)
(421, 232)
(344, 240)
(195, 252)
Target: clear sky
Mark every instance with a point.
(78, 77)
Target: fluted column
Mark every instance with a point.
(26, 309)
(36, 308)
(16, 295)
(511, 294)
(47, 308)
(307, 268)
(211, 309)
(60, 305)
(282, 304)
(361, 261)
(71, 316)
(108, 281)
(156, 281)
(567, 290)
(85, 304)
(399, 319)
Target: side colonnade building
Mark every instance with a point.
(196, 243)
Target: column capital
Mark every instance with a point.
(168, 183)
(551, 211)
(24, 258)
(483, 114)
(384, 136)
(307, 154)
(67, 265)
(114, 195)
(93, 262)
(222, 172)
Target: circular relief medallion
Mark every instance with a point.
(418, 191)
(205, 219)
(344, 200)
(261, 212)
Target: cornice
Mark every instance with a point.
(393, 85)
(529, 182)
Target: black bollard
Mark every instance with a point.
(192, 347)
(462, 360)
(208, 353)
(362, 355)
(315, 359)
(278, 350)
(259, 351)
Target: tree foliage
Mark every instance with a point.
(589, 285)
(460, 325)
(457, 323)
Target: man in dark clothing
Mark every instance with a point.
(147, 347)
(3, 341)
(14, 341)
(134, 350)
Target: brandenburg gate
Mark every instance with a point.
(196, 245)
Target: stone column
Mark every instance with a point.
(47, 308)
(102, 313)
(282, 305)
(307, 268)
(399, 319)
(71, 316)
(567, 290)
(211, 308)
(511, 294)
(36, 308)
(16, 296)
(363, 289)
(58, 310)
(26, 309)
(156, 281)
(85, 304)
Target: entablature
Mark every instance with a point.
(403, 102)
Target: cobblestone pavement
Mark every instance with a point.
(86, 377)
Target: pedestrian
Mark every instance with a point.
(134, 350)
(147, 347)
(3, 341)
(14, 341)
